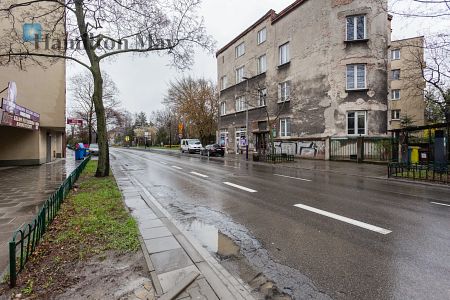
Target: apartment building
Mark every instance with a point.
(317, 69)
(33, 98)
(406, 98)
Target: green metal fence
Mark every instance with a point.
(439, 173)
(25, 239)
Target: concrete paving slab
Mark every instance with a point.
(171, 279)
(144, 217)
(171, 260)
(157, 232)
(145, 224)
(161, 244)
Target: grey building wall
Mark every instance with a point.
(319, 55)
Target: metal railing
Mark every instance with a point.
(274, 158)
(433, 172)
(24, 240)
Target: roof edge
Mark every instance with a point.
(274, 18)
(287, 10)
(271, 13)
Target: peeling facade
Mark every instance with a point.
(319, 71)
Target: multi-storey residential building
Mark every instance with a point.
(317, 69)
(406, 99)
(32, 109)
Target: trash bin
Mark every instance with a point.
(415, 154)
(80, 151)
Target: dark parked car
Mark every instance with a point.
(213, 150)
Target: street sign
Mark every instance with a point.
(74, 121)
(146, 134)
(180, 135)
(127, 138)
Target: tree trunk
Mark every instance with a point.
(102, 139)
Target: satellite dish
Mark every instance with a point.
(12, 92)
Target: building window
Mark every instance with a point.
(356, 28)
(285, 127)
(356, 77)
(356, 122)
(284, 91)
(262, 64)
(395, 114)
(223, 82)
(240, 104)
(262, 97)
(395, 54)
(262, 35)
(239, 74)
(395, 94)
(284, 54)
(240, 50)
(223, 108)
(396, 74)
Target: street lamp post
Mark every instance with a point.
(246, 120)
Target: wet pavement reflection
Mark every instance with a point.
(304, 254)
(23, 190)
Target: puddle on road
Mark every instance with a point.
(228, 253)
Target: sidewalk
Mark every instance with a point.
(22, 192)
(180, 268)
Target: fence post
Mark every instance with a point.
(360, 149)
(12, 263)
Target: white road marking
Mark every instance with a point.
(240, 187)
(198, 174)
(292, 177)
(443, 204)
(344, 219)
(164, 163)
(178, 168)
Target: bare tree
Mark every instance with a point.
(195, 101)
(82, 88)
(420, 8)
(100, 30)
(165, 122)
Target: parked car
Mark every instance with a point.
(213, 150)
(191, 145)
(93, 149)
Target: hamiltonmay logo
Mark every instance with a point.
(31, 31)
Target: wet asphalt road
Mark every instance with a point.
(399, 249)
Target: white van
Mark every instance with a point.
(191, 145)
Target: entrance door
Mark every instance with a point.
(49, 147)
(240, 137)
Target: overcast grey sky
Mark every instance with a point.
(143, 81)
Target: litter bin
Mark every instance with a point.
(415, 154)
(80, 151)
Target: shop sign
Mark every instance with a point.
(15, 115)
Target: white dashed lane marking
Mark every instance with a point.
(178, 168)
(198, 174)
(344, 219)
(303, 179)
(240, 187)
(443, 204)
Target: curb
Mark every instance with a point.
(223, 284)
